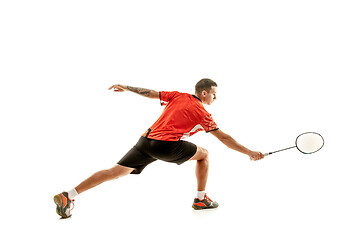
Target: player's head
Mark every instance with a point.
(205, 89)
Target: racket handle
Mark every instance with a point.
(265, 154)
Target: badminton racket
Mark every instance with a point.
(307, 143)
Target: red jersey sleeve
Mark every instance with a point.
(209, 124)
(166, 97)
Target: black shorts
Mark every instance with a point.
(148, 150)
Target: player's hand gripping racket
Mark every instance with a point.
(307, 143)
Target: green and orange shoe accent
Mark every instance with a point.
(63, 203)
(205, 203)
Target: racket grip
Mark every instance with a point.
(265, 154)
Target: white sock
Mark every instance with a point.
(72, 193)
(201, 195)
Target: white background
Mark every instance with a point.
(282, 68)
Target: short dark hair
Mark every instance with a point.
(204, 84)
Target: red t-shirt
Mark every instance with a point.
(183, 116)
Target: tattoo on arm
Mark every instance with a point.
(141, 91)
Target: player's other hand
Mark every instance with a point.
(255, 156)
(118, 88)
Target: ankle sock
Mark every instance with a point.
(201, 195)
(72, 193)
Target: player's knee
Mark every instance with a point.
(108, 174)
(205, 153)
(119, 171)
(204, 160)
(111, 174)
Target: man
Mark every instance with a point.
(183, 116)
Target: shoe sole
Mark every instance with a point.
(200, 208)
(197, 208)
(57, 201)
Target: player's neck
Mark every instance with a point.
(196, 96)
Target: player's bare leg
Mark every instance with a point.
(201, 171)
(103, 176)
(202, 167)
(65, 200)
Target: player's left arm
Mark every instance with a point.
(233, 144)
(141, 91)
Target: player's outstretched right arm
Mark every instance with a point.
(141, 91)
(233, 144)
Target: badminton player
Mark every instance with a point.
(183, 116)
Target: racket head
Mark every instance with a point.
(309, 142)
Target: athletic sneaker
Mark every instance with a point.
(63, 203)
(204, 204)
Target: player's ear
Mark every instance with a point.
(204, 93)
